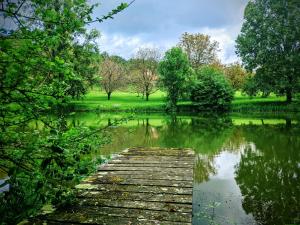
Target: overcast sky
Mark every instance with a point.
(160, 23)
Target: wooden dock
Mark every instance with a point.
(139, 186)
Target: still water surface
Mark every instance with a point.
(247, 169)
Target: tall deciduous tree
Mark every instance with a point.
(146, 75)
(236, 75)
(112, 76)
(174, 71)
(269, 43)
(200, 49)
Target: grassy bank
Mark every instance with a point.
(272, 103)
(96, 100)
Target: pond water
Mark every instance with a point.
(246, 171)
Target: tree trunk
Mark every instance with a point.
(289, 96)
(108, 95)
(147, 97)
(288, 123)
(109, 123)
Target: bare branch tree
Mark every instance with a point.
(144, 75)
(113, 76)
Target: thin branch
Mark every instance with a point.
(20, 6)
(28, 17)
(19, 21)
(100, 20)
(110, 15)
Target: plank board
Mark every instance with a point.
(139, 186)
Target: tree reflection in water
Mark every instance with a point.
(268, 175)
(204, 168)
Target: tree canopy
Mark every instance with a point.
(211, 91)
(47, 58)
(200, 49)
(236, 75)
(112, 75)
(145, 75)
(174, 72)
(269, 44)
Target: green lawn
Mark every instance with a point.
(126, 101)
(120, 101)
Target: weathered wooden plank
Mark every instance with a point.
(153, 153)
(158, 152)
(158, 149)
(143, 174)
(124, 213)
(137, 196)
(158, 165)
(160, 174)
(141, 168)
(157, 206)
(133, 188)
(103, 220)
(120, 180)
(140, 186)
(151, 161)
(149, 158)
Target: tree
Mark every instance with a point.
(199, 49)
(44, 56)
(145, 66)
(86, 61)
(174, 72)
(112, 76)
(250, 86)
(269, 44)
(236, 75)
(211, 90)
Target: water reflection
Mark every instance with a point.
(247, 170)
(218, 200)
(167, 131)
(268, 175)
(255, 179)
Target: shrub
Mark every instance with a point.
(211, 90)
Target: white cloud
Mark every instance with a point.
(226, 38)
(121, 45)
(152, 23)
(127, 46)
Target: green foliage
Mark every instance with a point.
(266, 173)
(45, 165)
(86, 60)
(269, 44)
(250, 86)
(175, 72)
(211, 90)
(46, 59)
(236, 75)
(200, 49)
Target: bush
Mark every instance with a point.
(211, 90)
